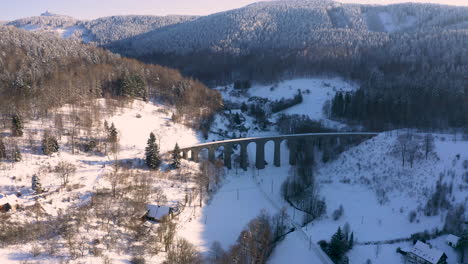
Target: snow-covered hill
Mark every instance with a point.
(273, 24)
(290, 24)
(59, 25)
(100, 31)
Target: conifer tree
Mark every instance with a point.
(106, 127)
(338, 246)
(244, 108)
(462, 245)
(36, 184)
(113, 134)
(2, 150)
(49, 144)
(176, 157)
(17, 126)
(152, 153)
(17, 157)
(351, 241)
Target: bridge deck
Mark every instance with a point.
(279, 137)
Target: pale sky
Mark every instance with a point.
(89, 9)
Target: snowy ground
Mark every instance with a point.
(387, 253)
(386, 22)
(134, 123)
(315, 92)
(355, 180)
(369, 219)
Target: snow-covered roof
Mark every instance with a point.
(156, 211)
(452, 239)
(11, 199)
(427, 252)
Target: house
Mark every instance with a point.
(157, 213)
(452, 240)
(4, 208)
(422, 253)
(7, 203)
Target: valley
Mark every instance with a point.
(286, 131)
(374, 193)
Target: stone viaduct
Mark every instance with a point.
(293, 141)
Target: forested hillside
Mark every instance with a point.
(108, 29)
(398, 53)
(39, 72)
(100, 31)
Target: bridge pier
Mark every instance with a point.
(260, 155)
(195, 155)
(243, 156)
(319, 143)
(227, 155)
(309, 151)
(211, 154)
(292, 152)
(277, 158)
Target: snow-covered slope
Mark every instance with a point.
(354, 181)
(290, 25)
(263, 25)
(342, 183)
(59, 25)
(134, 123)
(315, 93)
(385, 22)
(108, 29)
(377, 194)
(100, 31)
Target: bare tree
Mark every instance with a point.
(401, 147)
(429, 145)
(74, 120)
(64, 170)
(216, 254)
(183, 252)
(166, 232)
(413, 150)
(58, 123)
(159, 196)
(115, 177)
(142, 188)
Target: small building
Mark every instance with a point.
(452, 240)
(422, 253)
(157, 213)
(7, 203)
(4, 208)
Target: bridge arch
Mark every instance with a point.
(318, 140)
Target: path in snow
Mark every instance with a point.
(319, 255)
